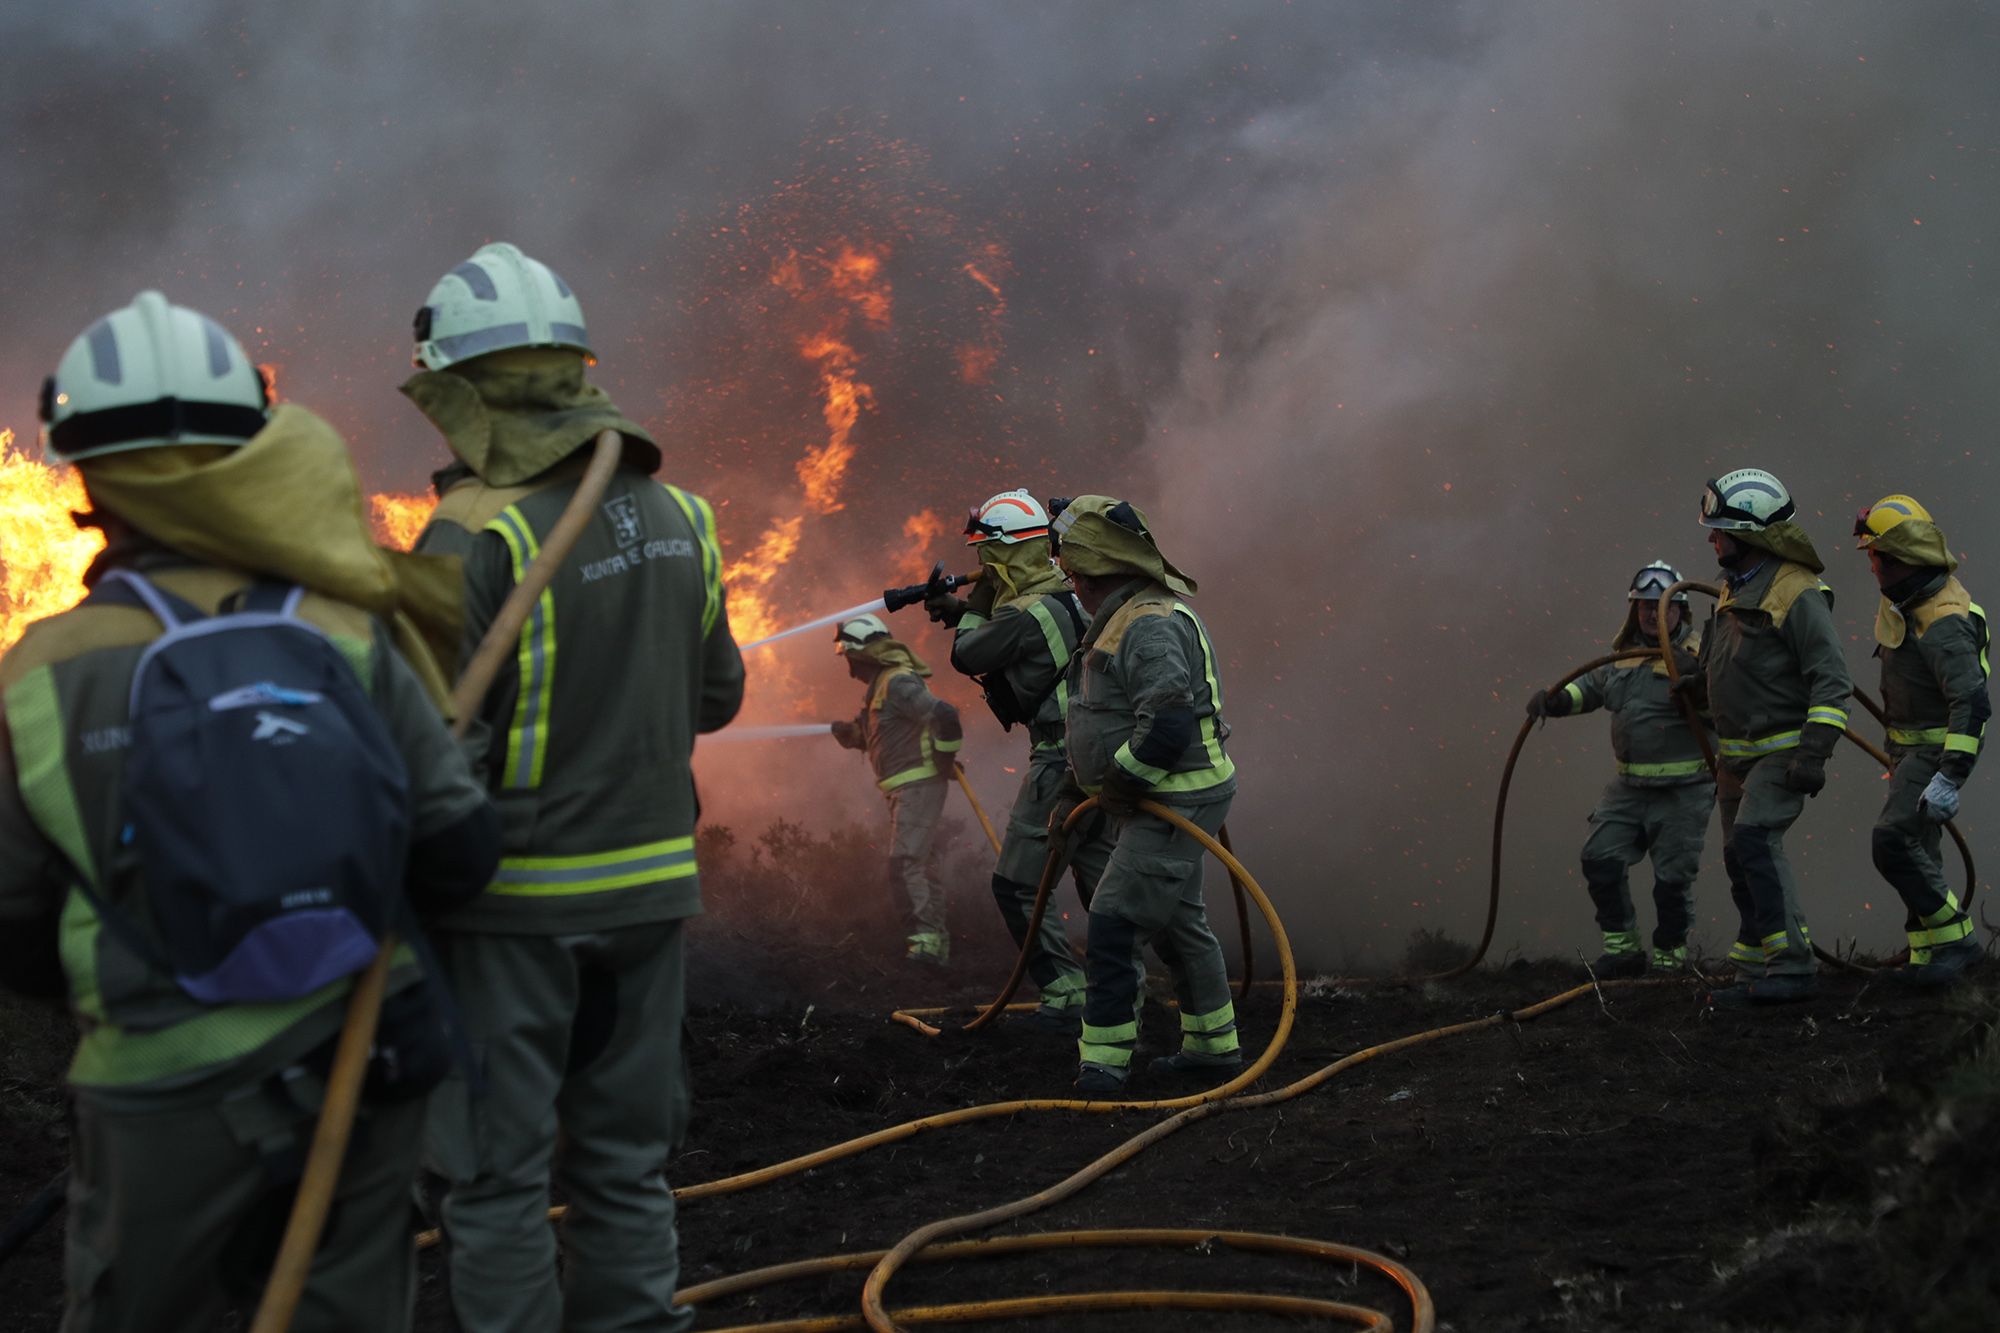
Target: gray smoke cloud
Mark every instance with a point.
(1415, 329)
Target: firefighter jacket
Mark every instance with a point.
(1023, 655)
(1933, 649)
(904, 727)
(1145, 696)
(590, 726)
(1650, 737)
(1773, 662)
(66, 684)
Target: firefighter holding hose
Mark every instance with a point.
(1015, 635)
(1777, 685)
(570, 967)
(1663, 794)
(1145, 723)
(1933, 643)
(223, 778)
(912, 739)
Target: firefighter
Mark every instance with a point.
(912, 738)
(1776, 684)
(1145, 723)
(195, 1103)
(570, 966)
(1933, 644)
(1662, 797)
(1015, 635)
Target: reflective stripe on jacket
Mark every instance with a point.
(1774, 662)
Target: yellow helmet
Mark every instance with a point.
(1883, 515)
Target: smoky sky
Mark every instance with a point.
(1415, 329)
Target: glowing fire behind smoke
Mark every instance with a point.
(42, 552)
(850, 288)
(399, 520)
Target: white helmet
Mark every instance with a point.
(495, 300)
(1009, 517)
(148, 375)
(1654, 579)
(1746, 498)
(851, 636)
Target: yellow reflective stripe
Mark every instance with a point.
(907, 776)
(535, 660)
(970, 620)
(1961, 744)
(1827, 715)
(624, 867)
(1951, 934)
(1149, 774)
(947, 747)
(1678, 768)
(1116, 1057)
(1575, 693)
(1059, 650)
(1925, 736)
(1733, 748)
(41, 770)
(1739, 952)
(1944, 913)
(1620, 942)
(1776, 943)
(1212, 1045)
(1213, 1021)
(1985, 637)
(701, 517)
(1221, 767)
(1119, 1032)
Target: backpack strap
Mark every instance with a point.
(126, 587)
(278, 599)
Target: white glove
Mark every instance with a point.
(1940, 800)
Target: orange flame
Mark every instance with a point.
(751, 574)
(43, 554)
(398, 520)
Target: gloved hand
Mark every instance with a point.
(1940, 799)
(1543, 704)
(848, 734)
(1067, 800)
(1805, 771)
(1686, 664)
(1121, 793)
(946, 762)
(945, 609)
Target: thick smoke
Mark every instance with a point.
(1416, 329)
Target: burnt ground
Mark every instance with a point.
(1641, 1163)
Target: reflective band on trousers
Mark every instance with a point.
(1733, 748)
(1951, 934)
(1678, 768)
(627, 867)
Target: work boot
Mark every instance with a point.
(1671, 962)
(929, 946)
(1784, 988)
(1619, 966)
(1094, 1080)
(1197, 1065)
(1945, 967)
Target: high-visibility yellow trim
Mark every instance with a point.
(970, 620)
(1212, 1045)
(596, 872)
(1059, 649)
(1678, 768)
(1149, 774)
(1221, 768)
(1618, 943)
(1213, 1021)
(1575, 693)
(535, 661)
(1950, 934)
(1985, 638)
(943, 746)
(1827, 715)
(1943, 914)
(1739, 952)
(701, 517)
(1732, 748)
(1957, 743)
(1925, 736)
(1114, 1057)
(1776, 943)
(1116, 1033)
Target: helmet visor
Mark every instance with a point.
(1718, 512)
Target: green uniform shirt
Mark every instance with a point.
(1934, 678)
(590, 726)
(1650, 738)
(1773, 662)
(66, 686)
(1028, 644)
(1145, 694)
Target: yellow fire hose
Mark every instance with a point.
(350, 1062)
(959, 770)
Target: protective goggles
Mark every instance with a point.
(1717, 512)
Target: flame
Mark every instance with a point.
(851, 288)
(751, 574)
(43, 554)
(399, 520)
(913, 559)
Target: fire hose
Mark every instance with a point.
(350, 1062)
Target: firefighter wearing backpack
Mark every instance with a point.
(1776, 683)
(1662, 797)
(1145, 723)
(912, 739)
(1015, 635)
(570, 965)
(204, 832)
(1933, 643)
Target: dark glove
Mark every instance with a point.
(848, 734)
(1805, 771)
(1067, 800)
(1543, 704)
(945, 609)
(1121, 793)
(1686, 665)
(946, 762)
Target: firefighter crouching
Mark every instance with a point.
(1663, 795)
(1145, 723)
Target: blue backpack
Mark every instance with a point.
(264, 798)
